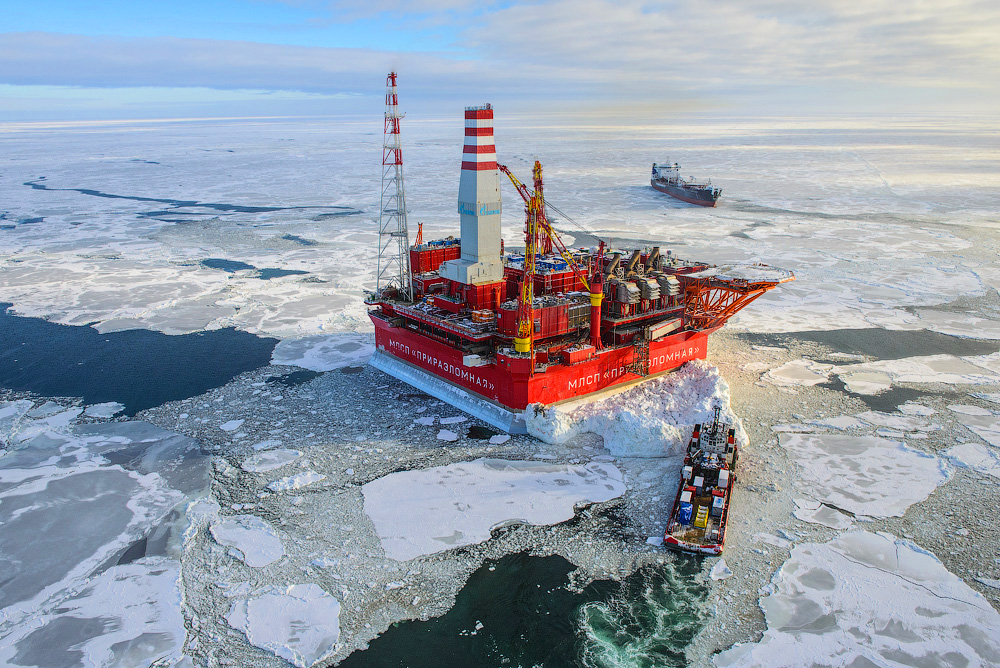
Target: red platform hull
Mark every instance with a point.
(499, 383)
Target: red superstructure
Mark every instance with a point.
(550, 323)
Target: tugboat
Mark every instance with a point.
(667, 179)
(701, 509)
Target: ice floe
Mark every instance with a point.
(296, 481)
(810, 510)
(447, 435)
(231, 425)
(983, 423)
(250, 539)
(105, 410)
(324, 353)
(798, 372)
(450, 506)
(653, 419)
(720, 571)
(868, 599)
(269, 460)
(874, 377)
(978, 457)
(300, 623)
(864, 475)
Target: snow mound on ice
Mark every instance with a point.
(254, 541)
(324, 353)
(864, 600)
(459, 504)
(864, 475)
(300, 623)
(652, 419)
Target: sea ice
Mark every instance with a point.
(300, 623)
(447, 435)
(983, 423)
(798, 372)
(975, 456)
(455, 505)
(810, 510)
(105, 410)
(864, 475)
(947, 369)
(296, 481)
(254, 541)
(325, 352)
(648, 420)
(269, 460)
(868, 599)
(499, 439)
(720, 571)
(128, 615)
(232, 425)
(453, 420)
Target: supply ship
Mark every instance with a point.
(493, 331)
(667, 179)
(701, 508)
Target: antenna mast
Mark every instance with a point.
(394, 241)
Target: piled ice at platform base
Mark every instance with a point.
(868, 599)
(459, 504)
(653, 419)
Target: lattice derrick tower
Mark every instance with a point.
(394, 241)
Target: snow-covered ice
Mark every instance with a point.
(450, 506)
(231, 425)
(873, 377)
(269, 460)
(447, 435)
(810, 510)
(300, 623)
(325, 352)
(653, 419)
(864, 475)
(868, 599)
(251, 539)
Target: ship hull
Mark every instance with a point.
(699, 197)
(497, 383)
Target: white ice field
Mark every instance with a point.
(887, 223)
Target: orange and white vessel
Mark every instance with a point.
(493, 331)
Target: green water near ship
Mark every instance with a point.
(518, 612)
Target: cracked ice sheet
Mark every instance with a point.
(868, 599)
(128, 615)
(450, 506)
(324, 353)
(982, 422)
(66, 513)
(652, 419)
(864, 475)
(300, 623)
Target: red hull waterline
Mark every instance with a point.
(496, 384)
(689, 200)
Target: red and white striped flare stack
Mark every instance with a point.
(478, 204)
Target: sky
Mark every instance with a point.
(62, 59)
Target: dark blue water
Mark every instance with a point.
(233, 266)
(137, 368)
(528, 618)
